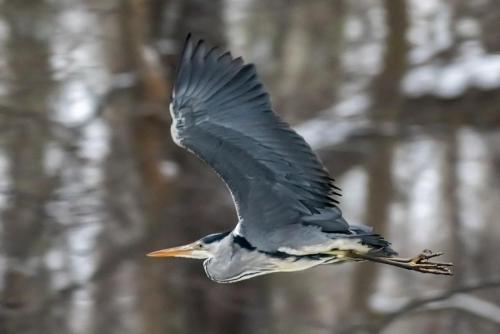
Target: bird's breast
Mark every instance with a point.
(297, 263)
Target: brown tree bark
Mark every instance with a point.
(386, 102)
(120, 240)
(25, 292)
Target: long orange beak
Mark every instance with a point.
(181, 251)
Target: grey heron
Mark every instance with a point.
(288, 214)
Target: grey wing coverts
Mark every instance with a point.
(222, 113)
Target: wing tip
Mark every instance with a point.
(193, 44)
(196, 46)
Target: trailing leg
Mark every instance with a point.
(418, 263)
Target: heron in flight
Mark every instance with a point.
(288, 218)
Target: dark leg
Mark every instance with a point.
(418, 263)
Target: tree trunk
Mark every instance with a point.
(25, 296)
(387, 102)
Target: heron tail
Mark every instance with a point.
(378, 245)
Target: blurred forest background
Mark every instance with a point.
(401, 100)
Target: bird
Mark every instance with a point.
(286, 202)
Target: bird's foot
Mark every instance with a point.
(422, 264)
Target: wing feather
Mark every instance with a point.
(222, 113)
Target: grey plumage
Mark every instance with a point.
(223, 114)
(285, 199)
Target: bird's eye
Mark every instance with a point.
(200, 246)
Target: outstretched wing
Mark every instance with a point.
(222, 113)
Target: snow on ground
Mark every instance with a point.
(417, 166)
(432, 31)
(473, 70)
(336, 124)
(353, 200)
(325, 132)
(429, 29)
(78, 66)
(477, 192)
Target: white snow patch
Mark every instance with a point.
(75, 104)
(123, 80)
(416, 169)
(55, 260)
(425, 7)
(417, 81)
(169, 168)
(451, 80)
(94, 144)
(465, 302)
(235, 13)
(82, 241)
(487, 72)
(364, 60)
(353, 28)
(321, 133)
(431, 33)
(475, 192)
(53, 158)
(429, 30)
(468, 28)
(380, 302)
(470, 304)
(354, 202)
(364, 41)
(354, 105)
(77, 62)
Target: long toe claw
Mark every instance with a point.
(400, 260)
(428, 254)
(444, 264)
(422, 264)
(436, 270)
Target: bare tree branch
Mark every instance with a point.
(385, 319)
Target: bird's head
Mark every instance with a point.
(203, 248)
